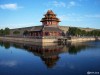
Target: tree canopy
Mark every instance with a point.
(5, 31)
(16, 32)
(73, 31)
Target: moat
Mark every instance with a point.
(51, 59)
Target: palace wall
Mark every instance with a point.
(21, 30)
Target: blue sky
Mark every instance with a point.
(25, 13)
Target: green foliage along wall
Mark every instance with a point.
(5, 31)
(16, 32)
(73, 31)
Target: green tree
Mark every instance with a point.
(2, 32)
(83, 32)
(16, 32)
(7, 31)
(74, 31)
(78, 32)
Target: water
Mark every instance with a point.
(50, 59)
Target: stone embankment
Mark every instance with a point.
(44, 40)
(80, 39)
(27, 39)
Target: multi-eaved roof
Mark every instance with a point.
(50, 16)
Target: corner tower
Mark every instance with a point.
(50, 19)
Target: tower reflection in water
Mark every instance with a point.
(49, 52)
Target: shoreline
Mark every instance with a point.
(32, 40)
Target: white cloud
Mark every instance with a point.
(10, 6)
(93, 16)
(72, 17)
(62, 4)
(69, 17)
(59, 4)
(56, 4)
(71, 4)
(11, 26)
(63, 17)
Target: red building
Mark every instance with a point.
(50, 26)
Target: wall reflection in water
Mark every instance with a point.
(48, 52)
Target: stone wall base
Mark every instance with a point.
(82, 39)
(27, 39)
